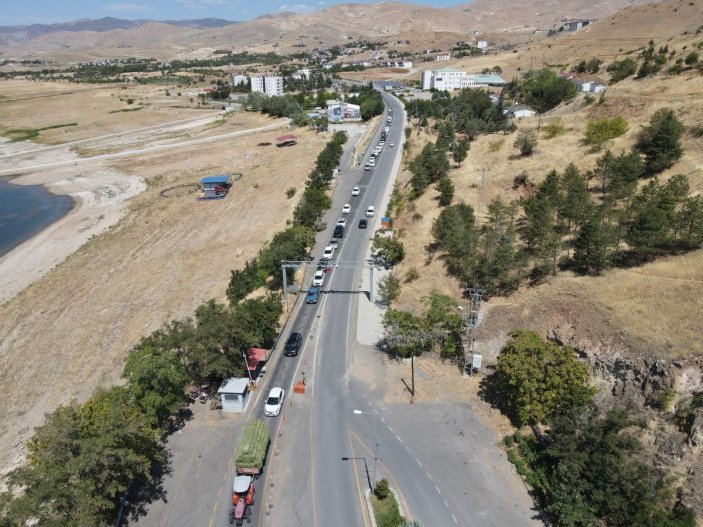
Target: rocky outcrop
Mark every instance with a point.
(657, 388)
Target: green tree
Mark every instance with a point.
(444, 319)
(430, 165)
(382, 491)
(156, 379)
(389, 249)
(314, 201)
(404, 333)
(539, 378)
(600, 131)
(539, 216)
(526, 141)
(445, 187)
(621, 69)
(461, 150)
(591, 245)
(445, 136)
(576, 199)
(544, 89)
(454, 232)
(389, 288)
(689, 222)
(244, 281)
(660, 142)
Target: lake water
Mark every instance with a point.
(26, 211)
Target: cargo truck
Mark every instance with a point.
(249, 462)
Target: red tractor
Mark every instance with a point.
(242, 500)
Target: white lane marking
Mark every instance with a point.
(438, 491)
(418, 462)
(384, 421)
(392, 432)
(406, 448)
(369, 403)
(454, 518)
(446, 504)
(399, 439)
(428, 476)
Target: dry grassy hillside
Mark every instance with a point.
(72, 328)
(657, 304)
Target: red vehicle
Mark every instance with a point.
(242, 500)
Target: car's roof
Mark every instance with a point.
(276, 391)
(319, 272)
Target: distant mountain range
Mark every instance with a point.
(101, 24)
(426, 26)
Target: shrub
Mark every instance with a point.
(290, 192)
(389, 288)
(411, 275)
(526, 141)
(621, 69)
(553, 129)
(602, 130)
(445, 187)
(382, 490)
(496, 145)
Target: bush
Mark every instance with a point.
(291, 192)
(445, 187)
(602, 130)
(382, 490)
(526, 141)
(554, 129)
(621, 69)
(411, 275)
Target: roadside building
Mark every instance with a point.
(340, 111)
(482, 44)
(443, 57)
(238, 79)
(519, 111)
(455, 79)
(215, 187)
(234, 395)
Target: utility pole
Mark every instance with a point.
(470, 357)
(481, 191)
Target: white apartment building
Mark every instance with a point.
(482, 44)
(443, 57)
(270, 85)
(453, 79)
(238, 79)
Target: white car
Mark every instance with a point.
(274, 402)
(370, 211)
(319, 279)
(381, 144)
(356, 191)
(367, 167)
(327, 253)
(346, 209)
(342, 222)
(391, 144)
(372, 161)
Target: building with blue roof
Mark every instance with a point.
(215, 187)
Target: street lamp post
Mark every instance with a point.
(375, 450)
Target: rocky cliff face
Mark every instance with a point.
(666, 393)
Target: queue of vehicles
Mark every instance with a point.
(253, 447)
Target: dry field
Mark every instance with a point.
(657, 306)
(69, 332)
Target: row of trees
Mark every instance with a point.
(294, 242)
(86, 456)
(541, 89)
(369, 100)
(585, 470)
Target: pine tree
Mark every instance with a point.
(461, 150)
(445, 187)
(576, 201)
(660, 142)
(591, 245)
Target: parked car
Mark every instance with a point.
(327, 253)
(342, 222)
(356, 191)
(295, 340)
(363, 223)
(391, 144)
(334, 242)
(319, 279)
(274, 402)
(346, 209)
(370, 211)
(367, 167)
(338, 232)
(313, 295)
(372, 161)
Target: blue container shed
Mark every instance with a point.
(215, 187)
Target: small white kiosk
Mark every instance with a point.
(234, 395)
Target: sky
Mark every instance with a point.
(49, 11)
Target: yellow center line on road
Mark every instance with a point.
(356, 479)
(390, 475)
